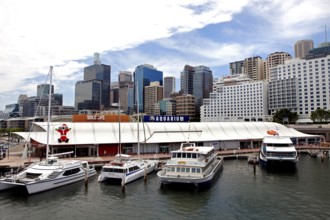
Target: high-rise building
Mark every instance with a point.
(186, 80)
(253, 67)
(114, 94)
(185, 105)
(302, 48)
(202, 85)
(152, 95)
(323, 49)
(197, 81)
(88, 95)
(43, 89)
(236, 68)
(125, 84)
(95, 76)
(143, 76)
(300, 85)
(273, 60)
(169, 86)
(236, 98)
(166, 106)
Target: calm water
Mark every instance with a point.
(239, 193)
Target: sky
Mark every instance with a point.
(167, 34)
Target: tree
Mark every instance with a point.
(320, 115)
(280, 115)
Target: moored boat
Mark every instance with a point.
(51, 172)
(276, 149)
(48, 174)
(191, 164)
(124, 170)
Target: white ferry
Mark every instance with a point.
(191, 165)
(124, 170)
(277, 149)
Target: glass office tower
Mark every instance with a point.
(143, 76)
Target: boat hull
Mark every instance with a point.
(48, 184)
(276, 162)
(206, 181)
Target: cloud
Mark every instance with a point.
(165, 33)
(36, 34)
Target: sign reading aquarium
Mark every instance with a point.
(165, 118)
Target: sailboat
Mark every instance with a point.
(124, 169)
(50, 173)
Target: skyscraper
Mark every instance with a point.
(186, 80)
(169, 86)
(203, 85)
(125, 84)
(253, 67)
(237, 67)
(302, 48)
(143, 76)
(273, 60)
(43, 89)
(152, 94)
(197, 81)
(96, 77)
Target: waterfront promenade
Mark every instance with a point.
(15, 160)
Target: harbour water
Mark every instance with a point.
(241, 192)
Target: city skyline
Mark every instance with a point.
(166, 34)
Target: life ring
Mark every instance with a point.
(272, 132)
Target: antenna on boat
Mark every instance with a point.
(49, 106)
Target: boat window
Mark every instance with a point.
(173, 169)
(187, 170)
(179, 155)
(193, 170)
(71, 172)
(188, 155)
(198, 170)
(182, 169)
(194, 156)
(32, 175)
(133, 168)
(174, 155)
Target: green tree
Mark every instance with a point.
(320, 115)
(282, 114)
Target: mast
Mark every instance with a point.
(49, 106)
(138, 119)
(119, 150)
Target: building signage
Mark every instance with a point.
(165, 118)
(96, 117)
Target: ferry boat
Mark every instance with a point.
(48, 174)
(124, 170)
(277, 149)
(191, 164)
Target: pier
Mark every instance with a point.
(14, 161)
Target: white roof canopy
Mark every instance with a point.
(108, 133)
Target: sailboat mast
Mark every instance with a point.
(49, 106)
(119, 150)
(138, 119)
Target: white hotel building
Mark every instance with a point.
(301, 85)
(236, 98)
